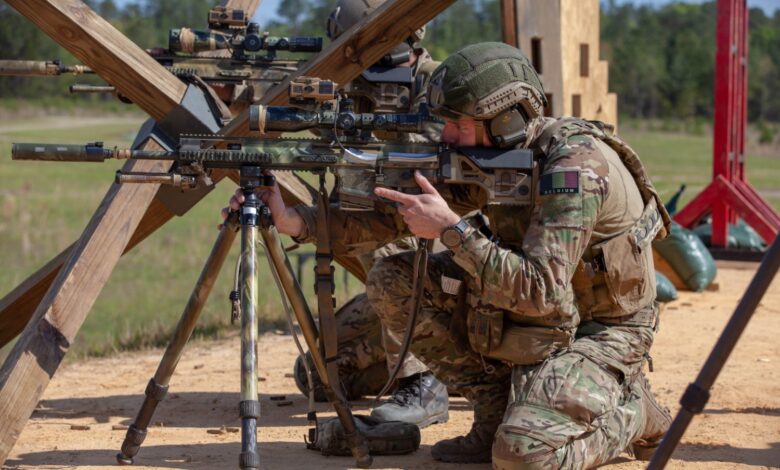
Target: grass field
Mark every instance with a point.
(45, 206)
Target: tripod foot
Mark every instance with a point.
(249, 461)
(121, 459)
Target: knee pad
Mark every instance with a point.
(513, 450)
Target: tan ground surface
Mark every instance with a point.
(739, 429)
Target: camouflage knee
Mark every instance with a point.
(514, 450)
(389, 287)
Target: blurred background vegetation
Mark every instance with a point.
(661, 59)
(661, 66)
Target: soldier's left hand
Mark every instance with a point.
(425, 214)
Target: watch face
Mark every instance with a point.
(451, 237)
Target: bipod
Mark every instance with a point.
(697, 394)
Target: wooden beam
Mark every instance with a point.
(249, 6)
(97, 44)
(355, 50)
(45, 340)
(509, 22)
(17, 307)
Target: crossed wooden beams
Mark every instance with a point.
(54, 301)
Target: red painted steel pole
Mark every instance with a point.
(724, 111)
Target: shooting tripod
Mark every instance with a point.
(253, 219)
(697, 394)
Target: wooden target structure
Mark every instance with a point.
(49, 307)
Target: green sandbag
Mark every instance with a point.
(665, 290)
(741, 236)
(687, 255)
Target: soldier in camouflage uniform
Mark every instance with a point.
(559, 312)
(366, 351)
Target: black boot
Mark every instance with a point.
(419, 399)
(474, 447)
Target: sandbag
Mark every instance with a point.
(665, 290)
(741, 236)
(383, 437)
(684, 251)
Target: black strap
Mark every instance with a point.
(324, 287)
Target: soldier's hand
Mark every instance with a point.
(286, 219)
(425, 214)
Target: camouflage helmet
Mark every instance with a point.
(349, 12)
(492, 82)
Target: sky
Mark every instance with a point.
(267, 10)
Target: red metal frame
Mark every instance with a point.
(729, 194)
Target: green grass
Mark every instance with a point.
(673, 159)
(45, 206)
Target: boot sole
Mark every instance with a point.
(471, 458)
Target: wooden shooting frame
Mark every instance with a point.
(50, 306)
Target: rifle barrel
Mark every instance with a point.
(79, 88)
(39, 68)
(93, 152)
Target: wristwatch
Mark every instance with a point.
(452, 236)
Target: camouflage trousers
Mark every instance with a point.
(366, 352)
(577, 409)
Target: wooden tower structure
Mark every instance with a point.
(562, 38)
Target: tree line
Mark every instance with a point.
(661, 60)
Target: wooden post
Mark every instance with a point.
(369, 44)
(55, 322)
(509, 22)
(355, 50)
(48, 336)
(249, 6)
(99, 45)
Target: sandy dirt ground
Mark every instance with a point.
(740, 427)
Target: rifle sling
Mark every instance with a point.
(324, 287)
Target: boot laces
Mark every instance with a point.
(409, 389)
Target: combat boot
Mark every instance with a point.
(420, 399)
(657, 421)
(474, 447)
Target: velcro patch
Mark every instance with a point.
(560, 182)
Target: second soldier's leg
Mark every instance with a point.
(361, 356)
(583, 407)
(484, 383)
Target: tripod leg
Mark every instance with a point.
(249, 406)
(158, 385)
(281, 264)
(698, 393)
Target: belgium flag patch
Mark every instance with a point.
(560, 182)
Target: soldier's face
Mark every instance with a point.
(464, 133)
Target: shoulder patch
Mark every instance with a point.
(560, 182)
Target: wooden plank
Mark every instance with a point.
(97, 44)
(509, 22)
(355, 50)
(249, 6)
(46, 339)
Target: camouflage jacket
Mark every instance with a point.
(583, 195)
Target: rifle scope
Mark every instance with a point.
(291, 119)
(190, 41)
